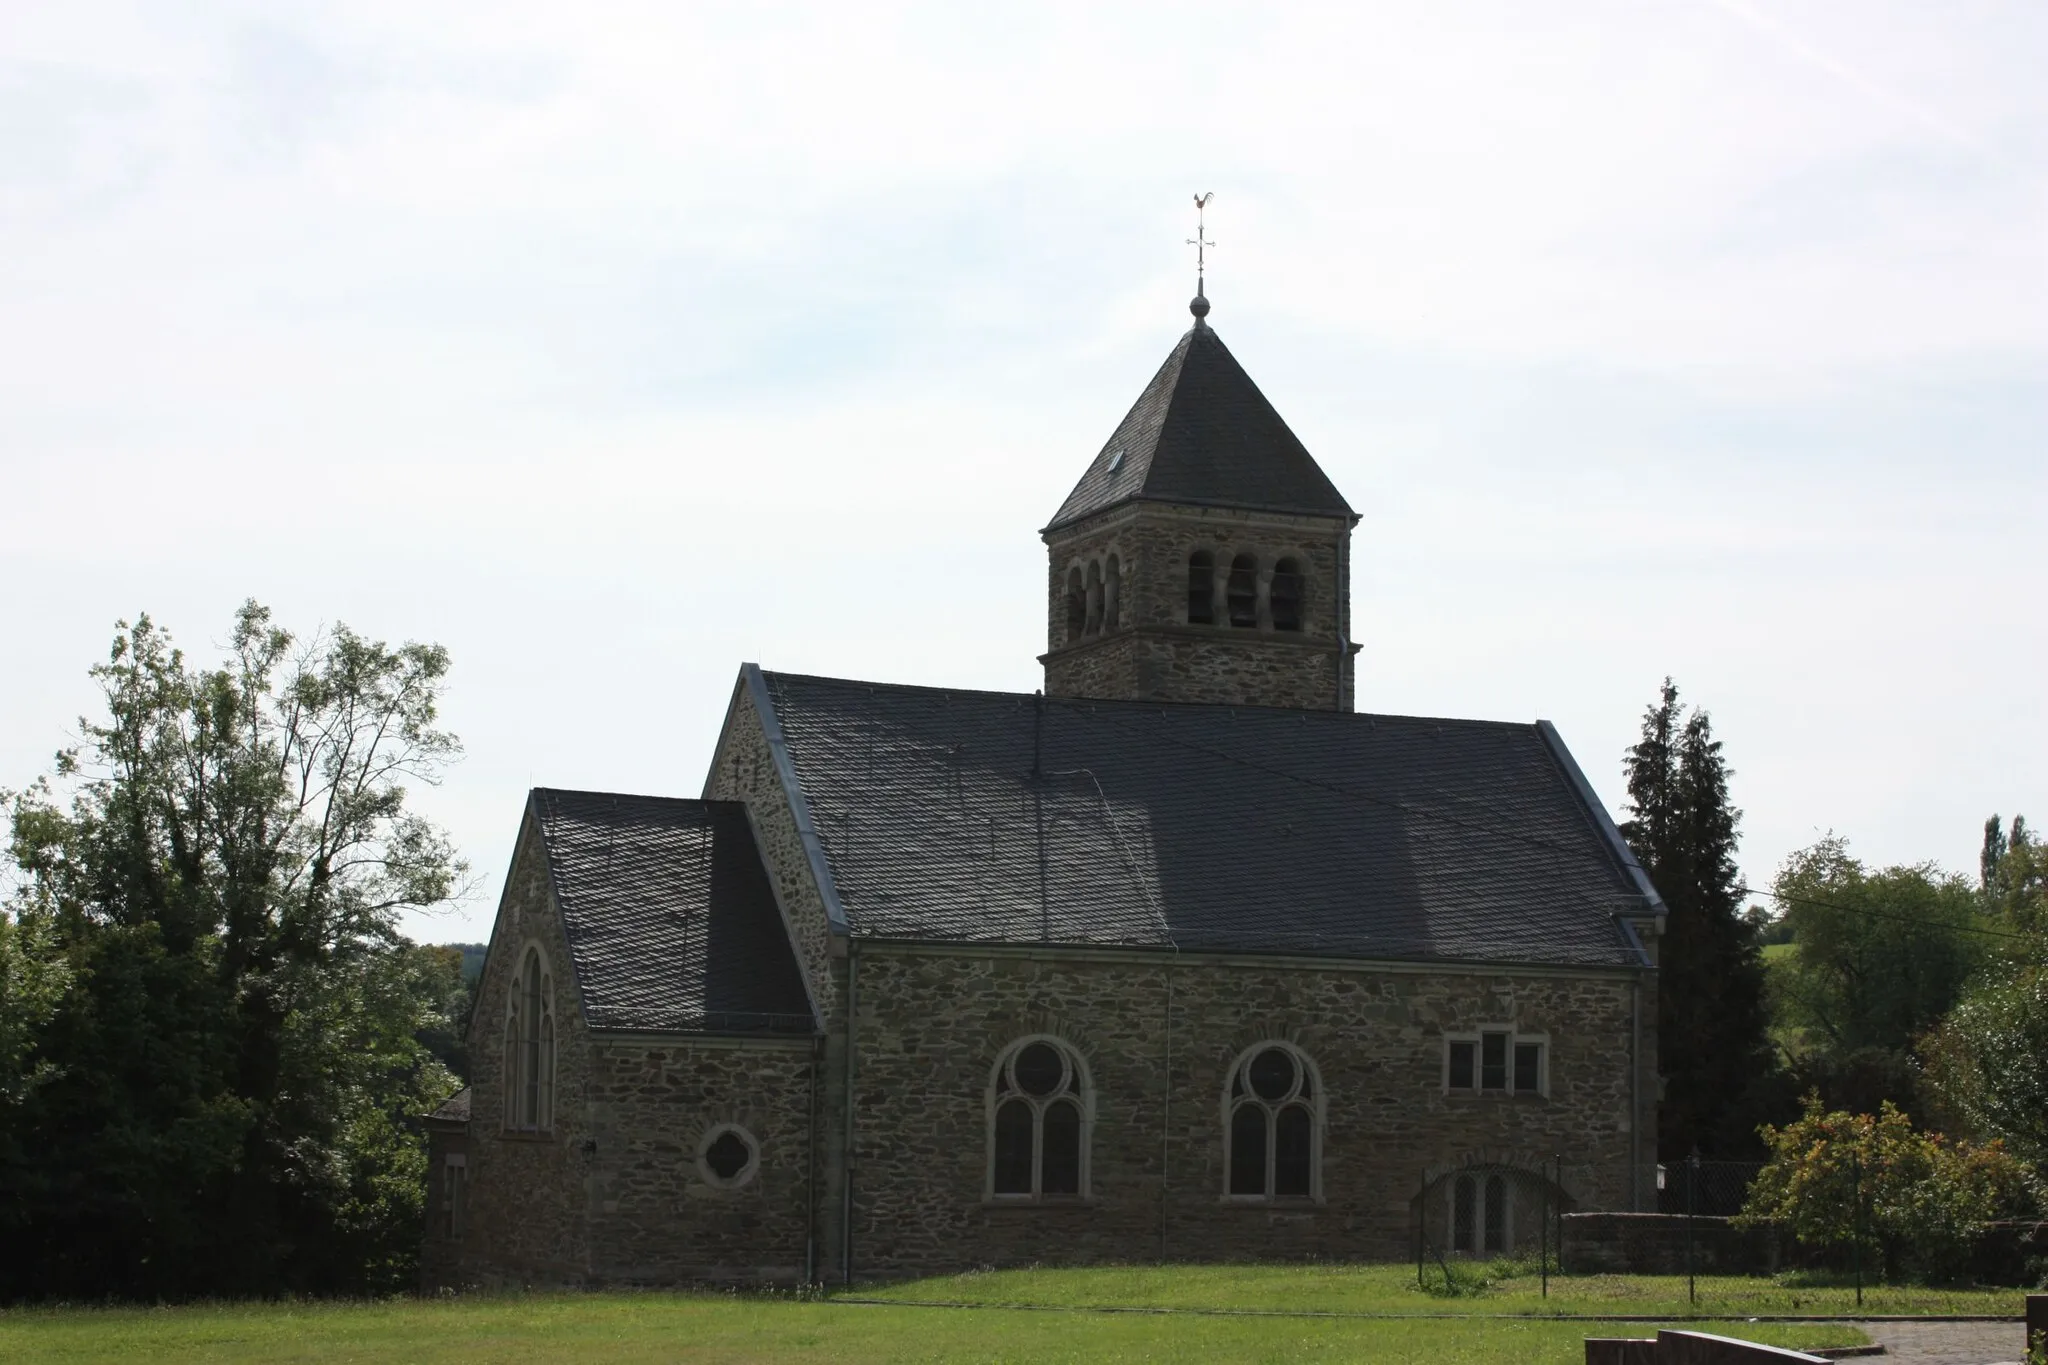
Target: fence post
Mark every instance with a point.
(1856, 1224)
(1421, 1225)
(1557, 1161)
(1692, 1180)
(1543, 1221)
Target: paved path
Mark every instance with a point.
(1948, 1343)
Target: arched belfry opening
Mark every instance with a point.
(1217, 553)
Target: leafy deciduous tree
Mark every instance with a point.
(218, 1100)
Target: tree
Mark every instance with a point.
(1988, 1061)
(1712, 1025)
(1881, 958)
(220, 1099)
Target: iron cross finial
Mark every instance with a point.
(1201, 243)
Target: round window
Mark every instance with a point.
(728, 1156)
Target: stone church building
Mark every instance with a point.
(1183, 958)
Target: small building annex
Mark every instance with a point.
(1182, 958)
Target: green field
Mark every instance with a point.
(621, 1328)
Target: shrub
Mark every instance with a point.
(1915, 1200)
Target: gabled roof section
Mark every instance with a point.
(671, 921)
(1201, 433)
(989, 817)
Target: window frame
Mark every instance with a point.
(1488, 1212)
(527, 1082)
(1081, 1093)
(1514, 1040)
(745, 1175)
(454, 1194)
(1316, 1103)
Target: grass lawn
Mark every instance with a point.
(1392, 1289)
(622, 1328)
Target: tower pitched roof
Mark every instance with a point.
(1201, 433)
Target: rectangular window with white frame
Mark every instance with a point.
(1500, 1061)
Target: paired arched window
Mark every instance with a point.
(1480, 1221)
(1245, 598)
(1273, 1125)
(1038, 1122)
(529, 1073)
(1094, 598)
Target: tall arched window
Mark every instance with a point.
(1201, 589)
(1094, 626)
(1286, 595)
(1077, 605)
(1113, 594)
(1272, 1125)
(1038, 1108)
(1242, 592)
(530, 1047)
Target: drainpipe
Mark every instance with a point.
(846, 1157)
(1635, 1095)
(1343, 587)
(811, 1168)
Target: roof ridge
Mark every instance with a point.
(1127, 703)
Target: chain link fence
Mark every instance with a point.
(1710, 1189)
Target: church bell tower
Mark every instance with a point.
(1203, 556)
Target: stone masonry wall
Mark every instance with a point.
(616, 1192)
(657, 1215)
(527, 1194)
(932, 1024)
(745, 771)
(1153, 653)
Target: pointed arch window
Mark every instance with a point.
(1093, 624)
(1077, 605)
(1242, 592)
(529, 1065)
(1039, 1106)
(1273, 1125)
(1201, 589)
(1286, 595)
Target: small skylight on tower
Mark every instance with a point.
(1116, 462)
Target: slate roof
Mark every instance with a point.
(995, 817)
(1202, 433)
(454, 1109)
(671, 922)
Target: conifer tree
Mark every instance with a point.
(1712, 1023)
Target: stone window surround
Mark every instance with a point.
(1266, 561)
(454, 1176)
(746, 1173)
(1094, 595)
(1514, 1036)
(512, 1079)
(1084, 1090)
(1483, 1188)
(1318, 1102)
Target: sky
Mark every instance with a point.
(613, 345)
